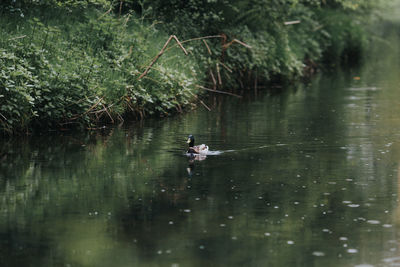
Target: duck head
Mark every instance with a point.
(190, 140)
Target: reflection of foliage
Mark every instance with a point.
(125, 195)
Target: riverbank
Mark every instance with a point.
(78, 65)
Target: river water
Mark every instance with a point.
(304, 177)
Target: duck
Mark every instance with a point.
(200, 149)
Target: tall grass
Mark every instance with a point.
(77, 63)
(79, 69)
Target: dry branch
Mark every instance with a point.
(292, 22)
(213, 79)
(226, 67)
(236, 41)
(208, 48)
(15, 38)
(108, 11)
(196, 39)
(219, 75)
(3, 117)
(162, 52)
(200, 101)
(217, 91)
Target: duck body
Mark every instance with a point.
(200, 149)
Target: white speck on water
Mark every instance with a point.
(352, 251)
(346, 202)
(260, 197)
(364, 265)
(159, 252)
(171, 222)
(175, 265)
(276, 207)
(230, 217)
(267, 234)
(197, 198)
(391, 260)
(386, 211)
(342, 238)
(326, 230)
(353, 205)
(201, 247)
(387, 225)
(290, 242)
(234, 238)
(96, 213)
(318, 253)
(373, 222)
(296, 203)
(168, 251)
(222, 225)
(186, 210)
(345, 245)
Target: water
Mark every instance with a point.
(306, 177)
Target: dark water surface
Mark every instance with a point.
(307, 177)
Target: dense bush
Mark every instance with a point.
(66, 63)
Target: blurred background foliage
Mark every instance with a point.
(77, 63)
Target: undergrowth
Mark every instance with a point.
(78, 63)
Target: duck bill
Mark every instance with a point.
(188, 141)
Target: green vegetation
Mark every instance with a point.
(77, 63)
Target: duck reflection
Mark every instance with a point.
(192, 159)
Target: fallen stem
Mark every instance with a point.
(208, 48)
(236, 41)
(219, 75)
(15, 38)
(213, 79)
(217, 91)
(161, 53)
(200, 101)
(226, 67)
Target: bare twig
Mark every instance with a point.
(226, 67)
(217, 91)
(87, 111)
(108, 11)
(200, 101)
(213, 79)
(3, 117)
(120, 8)
(236, 41)
(161, 53)
(292, 22)
(219, 75)
(15, 38)
(255, 84)
(196, 39)
(112, 121)
(208, 48)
